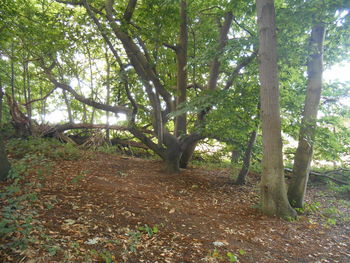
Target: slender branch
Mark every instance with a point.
(175, 48)
(245, 29)
(73, 2)
(79, 3)
(238, 68)
(40, 99)
(97, 105)
(129, 10)
(215, 65)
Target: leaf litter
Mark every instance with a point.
(87, 212)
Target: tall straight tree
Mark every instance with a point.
(274, 199)
(303, 156)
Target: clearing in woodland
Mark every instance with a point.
(112, 208)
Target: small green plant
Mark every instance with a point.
(77, 178)
(331, 221)
(107, 149)
(231, 257)
(149, 230)
(241, 252)
(104, 255)
(133, 240)
(309, 208)
(15, 221)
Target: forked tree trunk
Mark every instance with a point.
(303, 156)
(4, 163)
(274, 199)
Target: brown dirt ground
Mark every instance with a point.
(98, 204)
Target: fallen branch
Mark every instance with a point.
(326, 175)
(85, 126)
(126, 143)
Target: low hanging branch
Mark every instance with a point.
(327, 175)
(84, 126)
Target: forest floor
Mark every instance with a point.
(113, 208)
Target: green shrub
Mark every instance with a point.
(44, 147)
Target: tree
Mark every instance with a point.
(4, 163)
(274, 199)
(149, 53)
(303, 156)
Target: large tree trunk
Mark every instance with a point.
(4, 163)
(181, 52)
(274, 199)
(303, 156)
(241, 179)
(172, 160)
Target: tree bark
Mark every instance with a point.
(303, 156)
(235, 155)
(69, 110)
(108, 87)
(91, 84)
(1, 102)
(181, 52)
(241, 179)
(274, 199)
(215, 65)
(187, 154)
(12, 72)
(4, 163)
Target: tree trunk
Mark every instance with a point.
(108, 87)
(274, 199)
(69, 110)
(241, 179)
(181, 52)
(235, 155)
(29, 98)
(172, 160)
(303, 156)
(4, 163)
(1, 102)
(43, 107)
(12, 73)
(187, 154)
